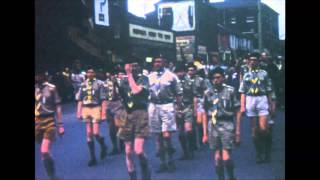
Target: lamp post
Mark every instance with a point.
(259, 26)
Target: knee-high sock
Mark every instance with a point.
(100, 141)
(144, 166)
(219, 169)
(161, 149)
(168, 148)
(91, 150)
(190, 141)
(183, 142)
(133, 175)
(48, 164)
(113, 135)
(194, 138)
(229, 167)
(200, 131)
(268, 143)
(257, 143)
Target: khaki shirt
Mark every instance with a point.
(91, 93)
(255, 83)
(164, 87)
(46, 99)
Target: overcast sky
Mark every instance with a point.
(141, 7)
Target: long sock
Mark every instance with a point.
(159, 143)
(113, 136)
(183, 142)
(219, 170)
(194, 138)
(121, 144)
(168, 148)
(229, 167)
(268, 145)
(102, 145)
(264, 143)
(48, 164)
(258, 145)
(200, 131)
(144, 166)
(161, 149)
(133, 175)
(91, 150)
(190, 142)
(100, 141)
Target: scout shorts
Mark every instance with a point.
(161, 117)
(135, 125)
(221, 136)
(186, 115)
(257, 106)
(114, 109)
(45, 128)
(91, 114)
(200, 105)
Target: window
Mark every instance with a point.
(152, 34)
(167, 37)
(233, 20)
(138, 31)
(250, 19)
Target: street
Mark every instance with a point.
(71, 155)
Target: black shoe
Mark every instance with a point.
(133, 175)
(54, 178)
(259, 159)
(146, 175)
(162, 168)
(172, 151)
(191, 155)
(114, 152)
(184, 157)
(171, 166)
(195, 147)
(158, 154)
(266, 158)
(92, 162)
(103, 153)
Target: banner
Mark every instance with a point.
(101, 12)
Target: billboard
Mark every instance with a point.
(179, 16)
(101, 12)
(185, 46)
(141, 32)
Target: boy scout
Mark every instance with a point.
(115, 108)
(220, 103)
(47, 103)
(185, 113)
(92, 109)
(134, 91)
(201, 83)
(164, 88)
(256, 99)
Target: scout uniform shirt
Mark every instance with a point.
(46, 99)
(164, 87)
(220, 104)
(255, 82)
(244, 69)
(112, 89)
(92, 92)
(188, 90)
(135, 101)
(200, 85)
